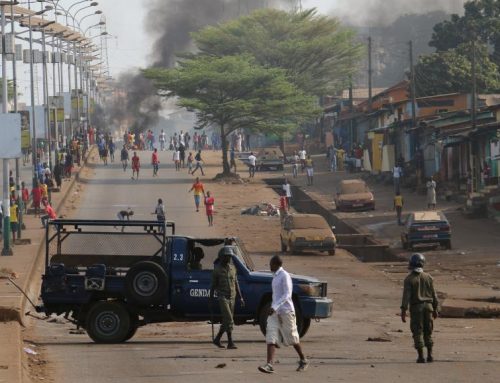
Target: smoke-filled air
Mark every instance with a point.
(382, 12)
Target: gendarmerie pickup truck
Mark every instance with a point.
(110, 282)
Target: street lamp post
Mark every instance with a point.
(6, 195)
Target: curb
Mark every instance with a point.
(17, 314)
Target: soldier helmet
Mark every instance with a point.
(416, 260)
(226, 251)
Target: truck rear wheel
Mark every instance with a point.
(146, 283)
(303, 324)
(108, 322)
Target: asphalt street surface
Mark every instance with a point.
(364, 341)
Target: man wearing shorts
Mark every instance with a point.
(209, 207)
(198, 192)
(281, 322)
(136, 164)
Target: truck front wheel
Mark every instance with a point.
(108, 322)
(303, 324)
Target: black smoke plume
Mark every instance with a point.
(171, 22)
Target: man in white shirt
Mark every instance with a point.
(287, 191)
(162, 140)
(251, 164)
(281, 322)
(302, 157)
(396, 175)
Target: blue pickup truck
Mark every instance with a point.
(111, 277)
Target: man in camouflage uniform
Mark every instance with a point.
(225, 284)
(419, 295)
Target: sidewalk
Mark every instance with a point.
(25, 262)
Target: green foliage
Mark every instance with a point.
(451, 71)
(234, 92)
(316, 52)
(481, 18)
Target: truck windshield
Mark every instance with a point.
(204, 252)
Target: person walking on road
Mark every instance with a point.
(190, 162)
(397, 172)
(162, 139)
(199, 162)
(281, 322)
(136, 165)
(160, 212)
(14, 221)
(420, 297)
(251, 165)
(155, 162)
(124, 157)
(309, 164)
(398, 206)
(176, 157)
(287, 189)
(209, 208)
(199, 191)
(225, 284)
(295, 164)
(302, 158)
(431, 194)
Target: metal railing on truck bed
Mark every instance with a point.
(82, 243)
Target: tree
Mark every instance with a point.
(481, 19)
(234, 92)
(451, 71)
(316, 52)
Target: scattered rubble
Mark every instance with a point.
(262, 209)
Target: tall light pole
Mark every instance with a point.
(6, 195)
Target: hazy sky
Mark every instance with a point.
(126, 20)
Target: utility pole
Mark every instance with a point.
(413, 96)
(370, 74)
(351, 109)
(413, 93)
(6, 195)
(474, 84)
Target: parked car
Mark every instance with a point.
(307, 232)
(354, 195)
(426, 227)
(110, 282)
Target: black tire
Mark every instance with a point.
(280, 167)
(291, 250)
(108, 322)
(447, 245)
(331, 252)
(303, 324)
(146, 283)
(134, 325)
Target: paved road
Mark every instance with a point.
(366, 304)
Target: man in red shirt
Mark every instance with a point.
(136, 164)
(25, 196)
(155, 162)
(209, 207)
(50, 213)
(37, 198)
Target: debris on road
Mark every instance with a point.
(262, 209)
(378, 339)
(221, 365)
(30, 351)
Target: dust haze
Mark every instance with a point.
(382, 12)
